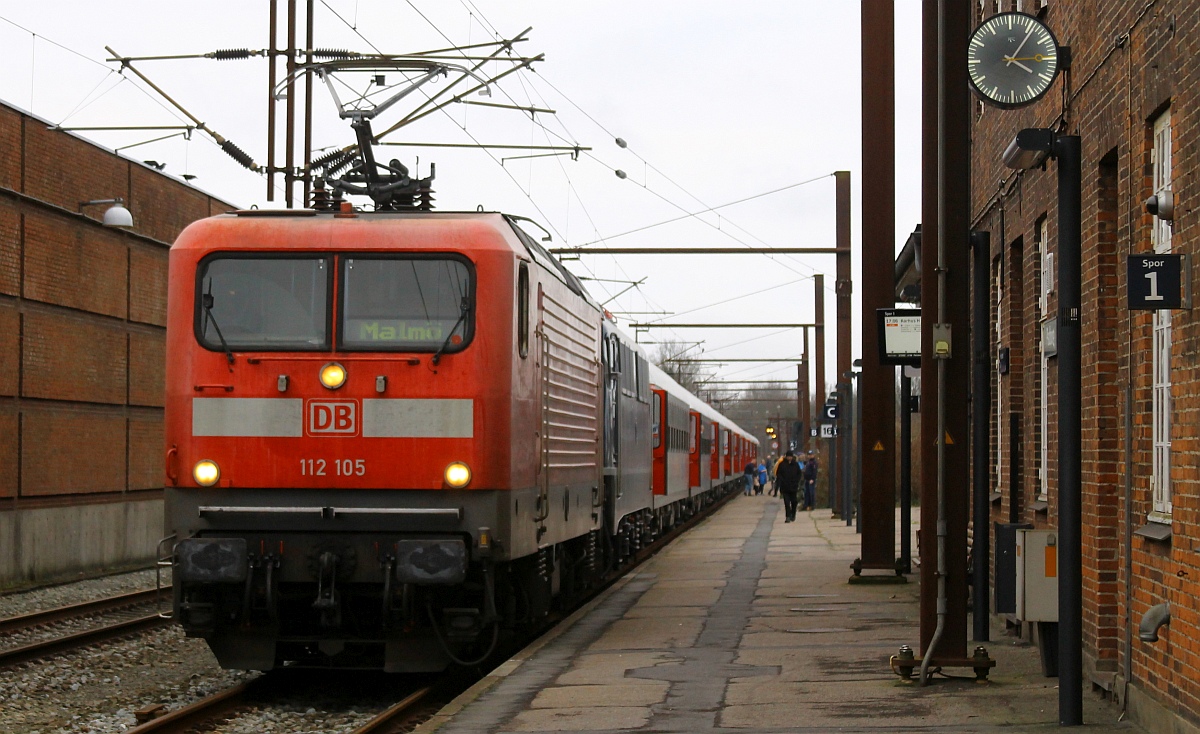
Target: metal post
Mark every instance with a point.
(272, 52)
(290, 109)
(945, 383)
(308, 95)
(819, 347)
(802, 396)
(905, 471)
(876, 464)
(858, 459)
(833, 480)
(845, 449)
(844, 285)
(981, 412)
(1070, 562)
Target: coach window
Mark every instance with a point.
(410, 304)
(657, 420)
(262, 303)
(523, 310)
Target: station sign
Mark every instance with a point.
(828, 430)
(831, 412)
(899, 336)
(1157, 282)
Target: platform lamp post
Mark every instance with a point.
(1030, 149)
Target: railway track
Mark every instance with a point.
(228, 704)
(128, 624)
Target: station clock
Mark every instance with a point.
(1012, 60)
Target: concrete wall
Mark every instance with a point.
(48, 543)
(82, 343)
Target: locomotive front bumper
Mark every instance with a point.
(411, 560)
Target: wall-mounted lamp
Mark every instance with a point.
(1030, 148)
(1162, 206)
(115, 216)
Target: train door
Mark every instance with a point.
(660, 432)
(714, 452)
(695, 455)
(611, 354)
(727, 458)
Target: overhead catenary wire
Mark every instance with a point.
(608, 132)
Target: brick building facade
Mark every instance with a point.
(1133, 95)
(82, 341)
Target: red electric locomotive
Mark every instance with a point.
(392, 436)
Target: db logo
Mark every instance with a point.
(332, 417)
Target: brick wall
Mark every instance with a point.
(82, 318)
(1132, 60)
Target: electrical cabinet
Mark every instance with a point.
(1005, 574)
(1037, 575)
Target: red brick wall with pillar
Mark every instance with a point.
(1132, 61)
(82, 318)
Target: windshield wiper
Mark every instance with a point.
(464, 308)
(207, 301)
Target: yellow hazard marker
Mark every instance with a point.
(878, 446)
(949, 440)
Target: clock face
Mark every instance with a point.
(1012, 59)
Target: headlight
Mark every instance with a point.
(206, 472)
(333, 375)
(458, 475)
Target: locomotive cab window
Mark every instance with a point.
(263, 303)
(406, 304)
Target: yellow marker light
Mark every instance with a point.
(458, 475)
(206, 472)
(333, 375)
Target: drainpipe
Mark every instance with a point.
(942, 603)
(1155, 617)
(1128, 525)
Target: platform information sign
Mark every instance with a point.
(899, 331)
(1156, 282)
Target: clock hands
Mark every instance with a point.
(1012, 60)
(1018, 59)
(1020, 46)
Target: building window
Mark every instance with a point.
(1160, 236)
(1047, 287)
(999, 285)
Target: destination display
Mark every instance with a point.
(899, 336)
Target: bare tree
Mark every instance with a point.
(687, 374)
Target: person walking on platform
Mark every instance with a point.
(810, 482)
(788, 476)
(751, 473)
(762, 478)
(775, 476)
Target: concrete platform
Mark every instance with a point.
(748, 624)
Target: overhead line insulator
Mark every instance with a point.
(334, 53)
(226, 54)
(238, 154)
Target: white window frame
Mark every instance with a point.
(1047, 287)
(1160, 236)
(1000, 422)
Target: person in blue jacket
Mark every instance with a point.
(762, 478)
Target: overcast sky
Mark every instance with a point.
(718, 102)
